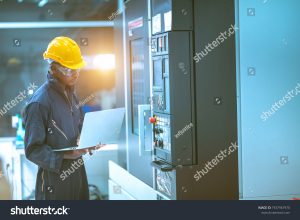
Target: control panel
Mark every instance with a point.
(162, 133)
(171, 90)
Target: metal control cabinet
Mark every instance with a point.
(194, 103)
(172, 90)
(200, 107)
(172, 97)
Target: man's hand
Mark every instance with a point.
(74, 154)
(91, 149)
(97, 147)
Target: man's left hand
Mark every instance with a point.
(91, 149)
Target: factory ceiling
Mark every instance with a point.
(29, 43)
(56, 10)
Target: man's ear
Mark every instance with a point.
(53, 68)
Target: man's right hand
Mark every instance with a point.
(74, 154)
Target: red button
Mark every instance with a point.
(152, 120)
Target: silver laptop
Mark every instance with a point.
(101, 127)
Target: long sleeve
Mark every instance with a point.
(36, 150)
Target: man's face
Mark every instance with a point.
(67, 76)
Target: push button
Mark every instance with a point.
(152, 120)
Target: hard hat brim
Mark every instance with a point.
(79, 65)
(75, 66)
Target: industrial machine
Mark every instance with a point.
(185, 108)
(190, 122)
(199, 80)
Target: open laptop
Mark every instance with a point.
(101, 127)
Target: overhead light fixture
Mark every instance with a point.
(42, 3)
(13, 61)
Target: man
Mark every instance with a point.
(52, 121)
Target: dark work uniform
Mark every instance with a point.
(53, 121)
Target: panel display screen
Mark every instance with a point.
(138, 78)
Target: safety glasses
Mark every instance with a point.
(66, 71)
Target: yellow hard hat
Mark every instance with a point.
(66, 52)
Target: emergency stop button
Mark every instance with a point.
(152, 120)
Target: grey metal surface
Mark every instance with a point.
(120, 81)
(269, 49)
(181, 13)
(137, 82)
(215, 100)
